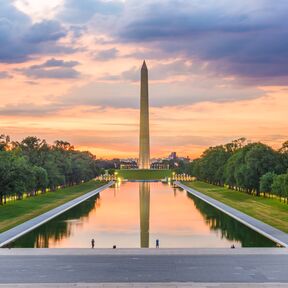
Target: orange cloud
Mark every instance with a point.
(188, 130)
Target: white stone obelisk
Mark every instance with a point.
(144, 144)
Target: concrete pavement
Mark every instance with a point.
(133, 268)
(140, 251)
(147, 285)
(268, 231)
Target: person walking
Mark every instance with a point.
(92, 243)
(157, 243)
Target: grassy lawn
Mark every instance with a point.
(143, 174)
(270, 211)
(15, 213)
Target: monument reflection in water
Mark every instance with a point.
(133, 215)
(144, 196)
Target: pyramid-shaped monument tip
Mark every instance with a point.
(144, 66)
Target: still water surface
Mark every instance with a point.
(133, 215)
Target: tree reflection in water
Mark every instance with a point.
(229, 227)
(58, 228)
(62, 228)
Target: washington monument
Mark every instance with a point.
(144, 143)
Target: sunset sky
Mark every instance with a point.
(218, 69)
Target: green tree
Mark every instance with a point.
(214, 161)
(32, 165)
(41, 179)
(4, 142)
(266, 182)
(235, 145)
(31, 147)
(248, 164)
(284, 157)
(111, 171)
(280, 186)
(16, 176)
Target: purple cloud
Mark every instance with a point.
(20, 38)
(75, 11)
(5, 75)
(56, 63)
(248, 40)
(107, 54)
(44, 31)
(52, 69)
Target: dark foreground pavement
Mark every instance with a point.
(143, 268)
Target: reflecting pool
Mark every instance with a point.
(135, 214)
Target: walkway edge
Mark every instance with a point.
(19, 230)
(262, 228)
(141, 252)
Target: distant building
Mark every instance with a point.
(172, 156)
(160, 165)
(128, 164)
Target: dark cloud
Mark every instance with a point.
(77, 30)
(20, 38)
(57, 73)
(52, 69)
(75, 11)
(45, 31)
(56, 63)
(105, 55)
(247, 39)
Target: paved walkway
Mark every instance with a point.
(148, 285)
(141, 251)
(144, 269)
(14, 233)
(260, 227)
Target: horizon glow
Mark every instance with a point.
(71, 71)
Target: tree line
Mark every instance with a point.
(33, 165)
(253, 168)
